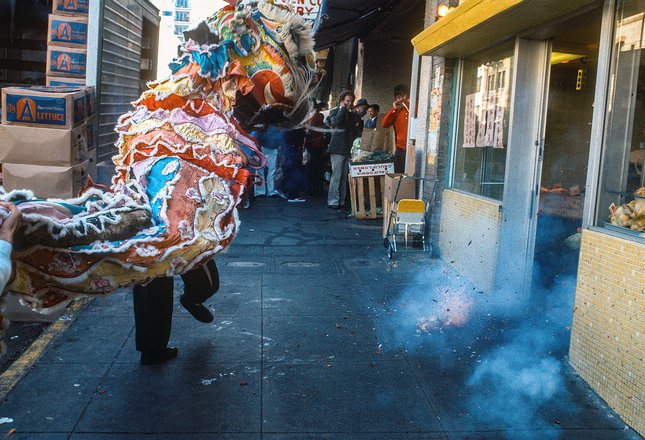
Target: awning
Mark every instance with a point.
(341, 20)
(476, 24)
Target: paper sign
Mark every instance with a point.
(490, 120)
(469, 122)
(371, 169)
(498, 141)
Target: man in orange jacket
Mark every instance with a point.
(398, 117)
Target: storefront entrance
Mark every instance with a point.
(564, 153)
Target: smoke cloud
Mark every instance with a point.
(507, 349)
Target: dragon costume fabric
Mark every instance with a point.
(181, 166)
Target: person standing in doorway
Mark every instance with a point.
(342, 120)
(397, 117)
(361, 110)
(316, 145)
(271, 140)
(374, 138)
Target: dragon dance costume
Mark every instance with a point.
(181, 162)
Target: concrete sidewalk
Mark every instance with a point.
(317, 335)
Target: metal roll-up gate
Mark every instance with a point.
(124, 40)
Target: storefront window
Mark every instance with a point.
(480, 151)
(621, 201)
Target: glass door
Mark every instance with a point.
(563, 157)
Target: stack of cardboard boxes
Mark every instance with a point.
(67, 43)
(48, 139)
(48, 133)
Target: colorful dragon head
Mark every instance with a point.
(272, 46)
(181, 162)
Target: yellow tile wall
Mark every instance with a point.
(609, 323)
(469, 235)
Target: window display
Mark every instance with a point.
(480, 150)
(621, 200)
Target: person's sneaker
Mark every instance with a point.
(333, 207)
(198, 310)
(296, 200)
(158, 357)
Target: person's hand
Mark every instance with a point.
(10, 222)
(397, 104)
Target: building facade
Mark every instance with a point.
(531, 119)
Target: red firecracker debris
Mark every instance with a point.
(243, 383)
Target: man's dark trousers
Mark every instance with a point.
(153, 304)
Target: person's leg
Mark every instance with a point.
(261, 190)
(316, 170)
(399, 160)
(333, 197)
(293, 182)
(199, 285)
(272, 165)
(342, 189)
(153, 320)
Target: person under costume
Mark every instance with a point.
(153, 304)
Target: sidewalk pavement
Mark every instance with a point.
(317, 335)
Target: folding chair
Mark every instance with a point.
(410, 219)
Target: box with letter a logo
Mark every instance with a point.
(71, 7)
(53, 107)
(67, 31)
(57, 81)
(66, 61)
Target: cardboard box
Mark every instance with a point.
(58, 81)
(90, 101)
(78, 84)
(53, 107)
(407, 190)
(71, 7)
(46, 146)
(46, 181)
(66, 61)
(92, 167)
(67, 31)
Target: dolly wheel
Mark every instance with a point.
(386, 242)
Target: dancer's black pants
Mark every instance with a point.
(153, 304)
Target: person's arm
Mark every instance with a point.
(7, 230)
(389, 118)
(339, 119)
(5, 263)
